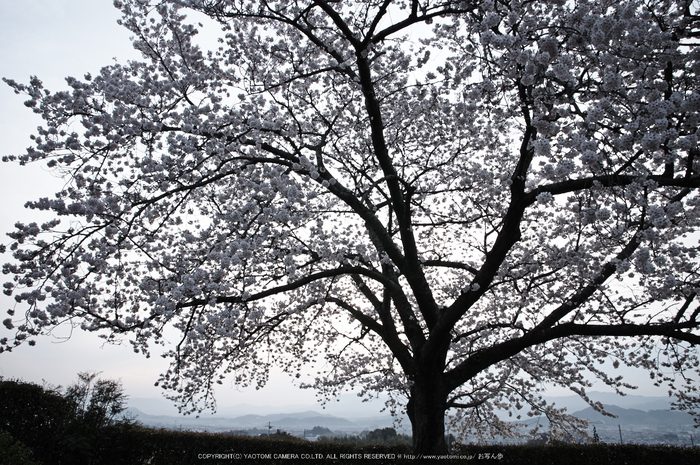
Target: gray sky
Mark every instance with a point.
(53, 39)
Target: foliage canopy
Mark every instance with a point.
(451, 201)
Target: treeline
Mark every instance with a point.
(383, 436)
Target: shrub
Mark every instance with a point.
(13, 452)
(73, 428)
(34, 415)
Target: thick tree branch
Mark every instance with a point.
(508, 236)
(389, 337)
(410, 266)
(575, 185)
(321, 275)
(450, 264)
(581, 296)
(490, 356)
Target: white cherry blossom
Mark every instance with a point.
(456, 215)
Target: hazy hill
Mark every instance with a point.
(285, 421)
(638, 419)
(574, 403)
(349, 406)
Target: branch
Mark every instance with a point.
(671, 330)
(343, 270)
(684, 307)
(472, 404)
(508, 236)
(573, 185)
(450, 264)
(410, 264)
(380, 14)
(390, 338)
(484, 358)
(335, 17)
(414, 18)
(583, 294)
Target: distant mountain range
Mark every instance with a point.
(637, 418)
(297, 421)
(349, 406)
(631, 411)
(574, 403)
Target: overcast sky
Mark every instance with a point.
(53, 39)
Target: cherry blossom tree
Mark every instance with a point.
(453, 202)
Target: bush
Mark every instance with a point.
(36, 416)
(13, 452)
(72, 428)
(380, 436)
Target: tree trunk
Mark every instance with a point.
(426, 410)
